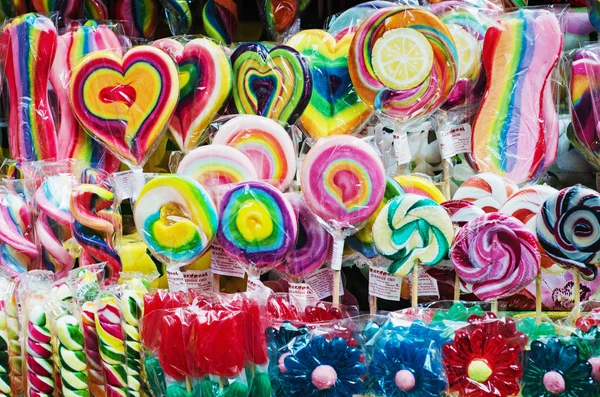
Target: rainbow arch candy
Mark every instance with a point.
(125, 103)
(334, 106)
(412, 229)
(18, 250)
(220, 19)
(258, 226)
(421, 98)
(176, 218)
(568, 229)
(343, 180)
(267, 145)
(420, 186)
(274, 83)
(204, 88)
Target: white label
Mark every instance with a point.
(255, 286)
(199, 279)
(427, 285)
(337, 254)
(321, 283)
(303, 294)
(384, 285)
(401, 147)
(455, 140)
(224, 265)
(128, 184)
(176, 281)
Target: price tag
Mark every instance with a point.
(255, 286)
(384, 285)
(598, 181)
(401, 147)
(199, 279)
(224, 265)
(176, 281)
(303, 294)
(128, 184)
(455, 140)
(321, 283)
(427, 285)
(337, 254)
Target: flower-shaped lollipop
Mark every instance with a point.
(553, 369)
(324, 368)
(281, 343)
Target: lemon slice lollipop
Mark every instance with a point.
(469, 53)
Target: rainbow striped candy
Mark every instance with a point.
(18, 250)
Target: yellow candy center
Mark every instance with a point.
(479, 371)
(254, 222)
(174, 226)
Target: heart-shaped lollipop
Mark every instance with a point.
(204, 87)
(125, 103)
(334, 106)
(275, 84)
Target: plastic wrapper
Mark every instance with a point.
(271, 81)
(6, 288)
(29, 44)
(334, 106)
(280, 16)
(515, 132)
(179, 15)
(220, 19)
(176, 218)
(14, 349)
(139, 19)
(65, 9)
(125, 103)
(579, 29)
(348, 21)
(585, 100)
(257, 227)
(376, 53)
(207, 88)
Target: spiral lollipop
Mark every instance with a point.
(497, 255)
(94, 223)
(17, 251)
(403, 62)
(461, 211)
(71, 356)
(258, 226)
(568, 229)
(176, 218)
(39, 353)
(111, 340)
(5, 386)
(488, 191)
(53, 223)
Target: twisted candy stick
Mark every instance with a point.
(132, 302)
(411, 229)
(5, 386)
(15, 349)
(139, 16)
(94, 227)
(497, 255)
(111, 340)
(92, 349)
(53, 223)
(220, 19)
(73, 141)
(72, 361)
(568, 229)
(17, 251)
(39, 353)
(31, 47)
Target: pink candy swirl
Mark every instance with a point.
(496, 254)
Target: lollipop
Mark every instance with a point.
(111, 340)
(349, 20)
(497, 255)
(72, 9)
(568, 229)
(267, 145)
(40, 363)
(53, 225)
(526, 203)
(334, 107)
(94, 227)
(73, 141)
(95, 10)
(31, 45)
(179, 16)
(274, 83)
(487, 191)
(14, 343)
(461, 212)
(125, 103)
(220, 19)
(17, 249)
(258, 226)
(411, 229)
(312, 244)
(204, 87)
(279, 15)
(71, 356)
(420, 186)
(402, 62)
(92, 349)
(343, 180)
(515, 132)
(140, 17)
(176, 218)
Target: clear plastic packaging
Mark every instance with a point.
(280, 16)
(139, 19)
(220, 19)
(348, 21)
(207, 88)
(125, 103)
(179, 15)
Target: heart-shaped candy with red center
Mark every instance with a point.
(126, 103)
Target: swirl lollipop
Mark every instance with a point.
(17, 251)
(488, 191)
(139, 16)
(94, 227)
(111, 340)
(497, 255)
(258, 226)
(39, 356)
(461, 212)
(403, 62)
(265, 143)
(568, 229)
(176, 218)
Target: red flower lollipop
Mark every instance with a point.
(505, 327)
(172, 344)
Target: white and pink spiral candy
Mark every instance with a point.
(17, 248)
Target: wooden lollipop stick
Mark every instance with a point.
(216, 282)
(576, 291)
(415, 286)
(538, 298)
(456, 287)
(495, 306)
(372, 304)
(446, 178)
(337, 278)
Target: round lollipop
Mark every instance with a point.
(488, 191)
(257, 226)
(421, 186)
(176, 218)
(403, 62)
(349, 20)
(461, 212)
(265, 143)
(497, 255)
